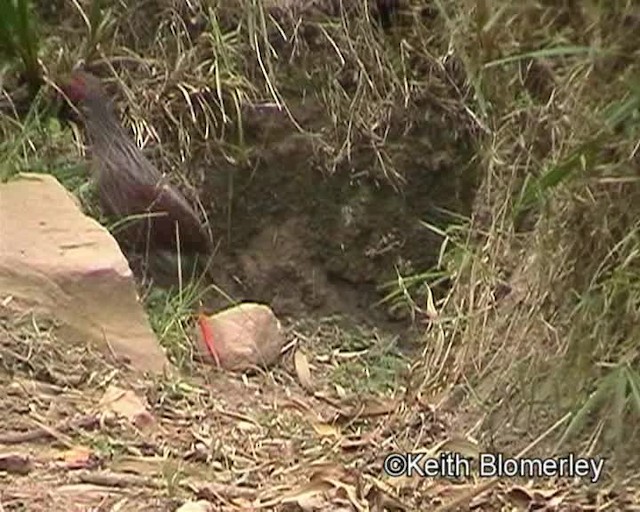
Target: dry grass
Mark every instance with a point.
(553, 228)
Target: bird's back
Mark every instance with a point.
(162, 214)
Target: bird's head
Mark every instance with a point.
(82, 87)
(83, 93)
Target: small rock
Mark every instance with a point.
(195, 506)
(244, 337)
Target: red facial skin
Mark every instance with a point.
(76, 88)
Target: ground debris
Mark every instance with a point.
(213, 491)
(234, 442)
(17, 463)
(111, 479)
(43, 432)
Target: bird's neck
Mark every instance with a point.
(103, 126)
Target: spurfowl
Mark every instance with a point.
(128, 183)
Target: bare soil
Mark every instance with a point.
(313, 245)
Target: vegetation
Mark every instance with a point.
(528, 111)
(19, 38)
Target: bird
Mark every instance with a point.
(129, 185)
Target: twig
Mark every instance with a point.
(110, 479)
(43, 432)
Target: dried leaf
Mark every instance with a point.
(555, 502)
(307, 491)
(460, 445)
(246, 426)
(479, 502)
(351, 493)
(295, 403)
(324, 470)
(358, 441)
(520, 496)
(148, 466)
(326, 429)
(312, 503)
(377, 407)
(127, 404)
(383, 496)
(215, 491)
(544, 494)
(369, 409)
(402, 482)
(303, 372)
(87, 494)
(525, 497)
(79, 457)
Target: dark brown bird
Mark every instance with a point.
(128, 183)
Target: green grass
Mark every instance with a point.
(618, 116)
(373, 374)
(19, 38)
(172, 313)
(366, 363)
(24, 140)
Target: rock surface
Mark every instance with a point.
(245, 336)
(58, 262)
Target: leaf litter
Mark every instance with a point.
(276, 441)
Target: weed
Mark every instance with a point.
(19, 38)
(171, 313)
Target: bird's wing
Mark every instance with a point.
(170, 201)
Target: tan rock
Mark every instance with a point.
(245, 336)
(58, 262)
